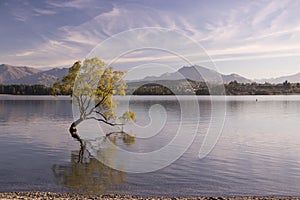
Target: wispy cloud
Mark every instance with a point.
(20, 15)
(39, 12)
(78, 4)
(24, 12)
(273, 7)
(26, 53)
(257, 30)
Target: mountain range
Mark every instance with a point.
(198, 74)
(28, 75)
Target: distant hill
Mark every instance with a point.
(235, 77)
(9, 73)
(30, 76)
(295, 78)
(47, 78)
(198, 74)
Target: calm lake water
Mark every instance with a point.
(258, 152)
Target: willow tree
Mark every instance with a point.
(92, 85)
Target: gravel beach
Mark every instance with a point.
(50, 195)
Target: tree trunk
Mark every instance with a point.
(73, 129)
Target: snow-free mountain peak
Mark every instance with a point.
(199, 74)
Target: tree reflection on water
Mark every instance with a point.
(86, 174)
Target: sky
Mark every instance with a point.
(256, 39)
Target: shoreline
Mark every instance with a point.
(65, 196)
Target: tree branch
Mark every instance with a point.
(79, 104)
(102, 120)
(102, 115)
(99, 103)
(104, 97)
(88, 104)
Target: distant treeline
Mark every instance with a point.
(285, 88)
(25, 89)
(179, 87)
(232, 88)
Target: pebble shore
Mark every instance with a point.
(64, 196)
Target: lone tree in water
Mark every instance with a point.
(94, 81)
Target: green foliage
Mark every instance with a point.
(95, 81)
(65, 86)
(127, 117)
(98, 82)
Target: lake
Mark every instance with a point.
(257, 152)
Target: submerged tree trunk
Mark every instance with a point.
(73, 129)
